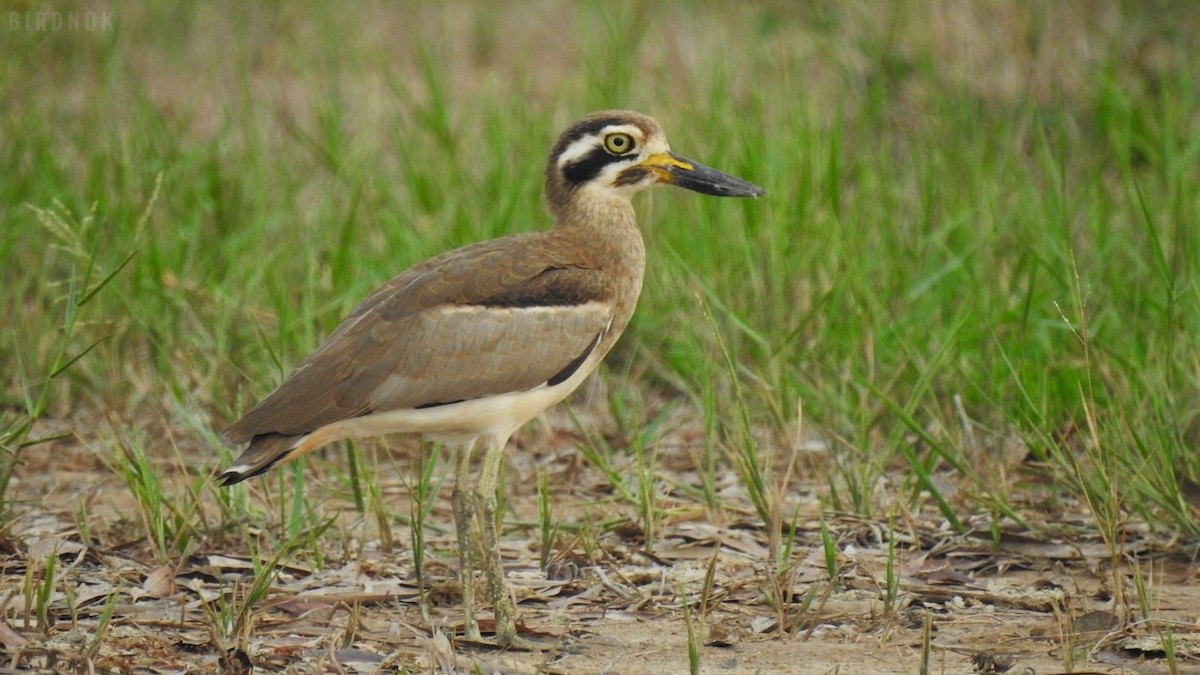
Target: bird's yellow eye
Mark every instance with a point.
(618, 143)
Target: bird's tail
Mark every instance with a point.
(265, 451)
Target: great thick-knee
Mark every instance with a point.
(468, 346)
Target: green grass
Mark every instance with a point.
(942, 268)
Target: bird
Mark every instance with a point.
(468, 346)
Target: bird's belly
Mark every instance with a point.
(497, 416)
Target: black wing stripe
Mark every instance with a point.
(566, 373)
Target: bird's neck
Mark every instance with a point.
(607, 226)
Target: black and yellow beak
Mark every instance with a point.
(682, 172)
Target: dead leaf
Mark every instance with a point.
(1096, 622)
(10, 638)
(41, 548)
(762, 624)
(160, 582)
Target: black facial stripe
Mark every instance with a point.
(631, 176)
(589, 166)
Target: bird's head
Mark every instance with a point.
(619, 153)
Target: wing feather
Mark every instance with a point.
(497, 317)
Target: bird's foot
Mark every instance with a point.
(510, 642)
(471, 633)
(509, 639)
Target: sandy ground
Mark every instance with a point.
(350, 603)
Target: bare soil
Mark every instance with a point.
(1043, 599)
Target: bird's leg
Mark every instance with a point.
(502, 600)
(463, 501)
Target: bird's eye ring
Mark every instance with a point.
(618, 143)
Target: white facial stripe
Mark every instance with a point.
(608, 175)
(586, 144)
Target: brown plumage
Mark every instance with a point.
(392, 352)
(472, 344)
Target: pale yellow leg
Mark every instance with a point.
(463, 502)
(501, 597)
